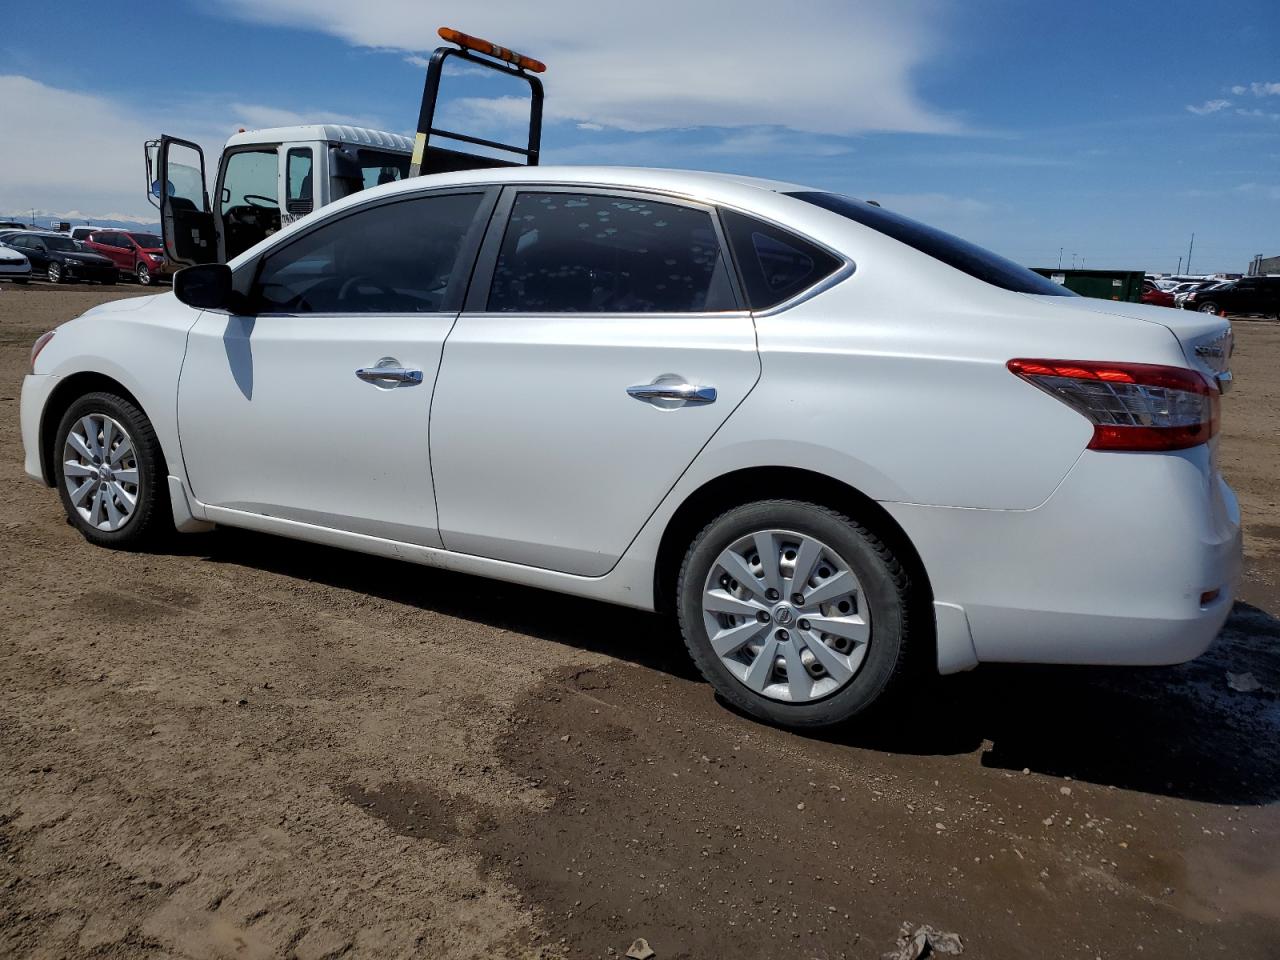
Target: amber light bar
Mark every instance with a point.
(468, 42)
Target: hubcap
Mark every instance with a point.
(798, 650)
(100, 469)
(55, 272)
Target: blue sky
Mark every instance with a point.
(1111, 131)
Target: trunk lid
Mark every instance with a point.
(1205, 338)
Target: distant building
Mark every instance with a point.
(1264, 266)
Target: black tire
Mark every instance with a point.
(1209, 307)
(152, 518)
(55, 273)
(885, 585)
(22, 282)
(143, 275)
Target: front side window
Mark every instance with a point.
(591, 253)
(775, 264)
(394, 258)
(961, 254)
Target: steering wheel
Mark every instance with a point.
(269, 203)
(352, 281)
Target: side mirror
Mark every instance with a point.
(206, 286)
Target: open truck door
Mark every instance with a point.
(176, 185)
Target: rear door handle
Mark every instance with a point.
(669, 390)
(388, 371)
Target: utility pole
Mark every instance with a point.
(1073, 261)
(1178, 272)
(1189, 249)
(1060, 258)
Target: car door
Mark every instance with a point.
(34, 250)
(603, 344)
(312, 405)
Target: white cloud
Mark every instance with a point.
(253, 116)
(1264, 89)
(1255, 112)
(1209, 106)
(825, 66)
(1239, 91)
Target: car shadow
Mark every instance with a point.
(1174, 731)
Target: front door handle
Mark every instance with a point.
(388, 372)
(669, 390)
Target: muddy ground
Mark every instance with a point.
(248, 747)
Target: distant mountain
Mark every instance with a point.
(48, 221)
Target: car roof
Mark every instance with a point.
(690, 183)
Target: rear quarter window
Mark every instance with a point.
(774, 263)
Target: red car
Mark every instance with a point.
(1155, 296)
(140, 255)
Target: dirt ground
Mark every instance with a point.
(249, 747)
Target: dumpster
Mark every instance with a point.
(1101, 284)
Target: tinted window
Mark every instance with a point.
(19, 243)
(587, 253)
(147, 241)
(395, 258)
(65, 244)
(775, 264)
(961, 254)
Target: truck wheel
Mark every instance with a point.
(796, 614)
(110, 472)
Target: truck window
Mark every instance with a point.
(298, 180)
(249, 202)
(378, 167)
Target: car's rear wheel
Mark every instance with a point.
(110, 472)
(54, 273)
(144, 274)
(795, 613)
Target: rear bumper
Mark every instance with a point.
(1111, 569)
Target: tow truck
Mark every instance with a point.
(268, 178)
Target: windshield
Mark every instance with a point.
(951, 250)
(65, 244)
(147, 241)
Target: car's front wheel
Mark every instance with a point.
(144, 275)
(54, 273)
(110, 472)
(1208, 308)
(795, 613)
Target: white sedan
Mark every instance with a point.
(841, 446)
(14, 265)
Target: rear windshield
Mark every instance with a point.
(954, 252)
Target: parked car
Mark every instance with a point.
(6, 234)
(136, 255)
(12, 225)
(1248, 295)
(751, 403)
(83, 232)
(1153, 295)
(60, 259)
(1180, 293)
(14, 266)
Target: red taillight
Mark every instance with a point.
(1133, 406)
(39, 345)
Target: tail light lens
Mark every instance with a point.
(1133, 406)
(41, 342)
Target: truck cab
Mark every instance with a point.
(265, 180)
(268, 178)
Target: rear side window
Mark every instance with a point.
(592, 253)
(775, 264)
(964, 256)
(394, 258)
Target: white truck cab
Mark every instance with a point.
(268, 178)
